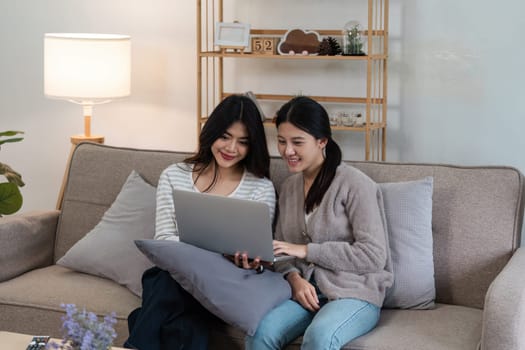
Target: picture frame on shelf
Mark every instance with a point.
(232, 35)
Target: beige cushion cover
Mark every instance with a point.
(26, 242)
(38, 288)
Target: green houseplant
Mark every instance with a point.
(10, 196)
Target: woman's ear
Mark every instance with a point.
(322, 142)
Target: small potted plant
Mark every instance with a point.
(10, 196)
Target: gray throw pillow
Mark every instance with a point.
(408, 211)
(108, 250)
(239, 297)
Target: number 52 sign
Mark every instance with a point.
(264, 45)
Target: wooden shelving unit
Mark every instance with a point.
(210, 71)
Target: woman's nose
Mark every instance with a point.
(289, 150)
(231, 145)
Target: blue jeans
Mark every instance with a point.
(334, 325)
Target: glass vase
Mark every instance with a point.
(352, 39)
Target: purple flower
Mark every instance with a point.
(81, 330)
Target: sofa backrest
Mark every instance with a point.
(477, 211)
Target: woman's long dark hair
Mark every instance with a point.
(309, 116)
(234, 108)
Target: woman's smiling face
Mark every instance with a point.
(300, 150)
(232, 147)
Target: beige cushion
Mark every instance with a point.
(44, 289)
(447, 327)
(26, 242)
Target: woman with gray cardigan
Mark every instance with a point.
(331, 220)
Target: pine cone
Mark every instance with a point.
(329, 47)
(335, 49)
(324, 48)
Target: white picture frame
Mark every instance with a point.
(236, 35)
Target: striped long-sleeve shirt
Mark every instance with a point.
(179, 176)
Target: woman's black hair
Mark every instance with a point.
(308, 115)
(234, 108)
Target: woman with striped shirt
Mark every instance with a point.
(233, 161)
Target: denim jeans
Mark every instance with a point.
(334, 325)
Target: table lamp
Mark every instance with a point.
(86, 69)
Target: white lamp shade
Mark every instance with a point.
(87, 67)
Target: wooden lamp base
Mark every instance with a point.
(76, 139)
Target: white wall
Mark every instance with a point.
(159, 114)
(455, 79)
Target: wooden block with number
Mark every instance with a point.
(264, 45)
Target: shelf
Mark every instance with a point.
(329, 99)
(322, 32)
(291, 57)
(371, 127)
(370, 98)
(364, 128)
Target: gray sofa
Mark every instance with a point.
(479, 269)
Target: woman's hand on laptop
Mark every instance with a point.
(242, 260)
(297, 250)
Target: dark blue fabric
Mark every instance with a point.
(169, 318)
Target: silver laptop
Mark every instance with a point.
(225, 225)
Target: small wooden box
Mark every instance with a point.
(265, 45)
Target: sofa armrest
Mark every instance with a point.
(504, 313)
(27, 242)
